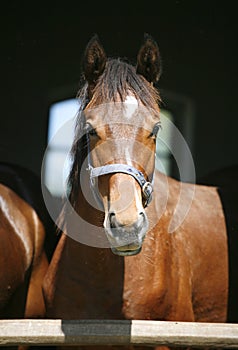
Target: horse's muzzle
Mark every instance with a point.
(126, 239)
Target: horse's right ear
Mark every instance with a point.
(94, 60)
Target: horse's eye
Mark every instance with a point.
(90, 130)
(155, 130)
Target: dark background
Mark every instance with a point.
(42, 46)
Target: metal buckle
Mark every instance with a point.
(147, 190)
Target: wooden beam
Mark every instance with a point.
(107, 332)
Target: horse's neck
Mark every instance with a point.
(87, 206)
(85, 225)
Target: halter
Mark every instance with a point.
(146, 186)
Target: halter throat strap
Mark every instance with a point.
(146, 186)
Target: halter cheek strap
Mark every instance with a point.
(146, 186)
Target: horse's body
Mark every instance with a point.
(23, 258)
(181, 275)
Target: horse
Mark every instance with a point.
(133, 245)
(26, 243)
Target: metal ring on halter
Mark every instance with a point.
(147, 190)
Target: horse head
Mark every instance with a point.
(121, 120)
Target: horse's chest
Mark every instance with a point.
(133, 290)
(121, 295)
(118, 288)
(143, 294)
(132, 299)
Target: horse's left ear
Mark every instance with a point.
(148, 60)
(94, 60)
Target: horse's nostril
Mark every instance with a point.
(142, 215)
(112, 220)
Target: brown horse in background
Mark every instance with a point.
(26, 243)
(127, 252)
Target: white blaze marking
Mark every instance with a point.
(131, 105)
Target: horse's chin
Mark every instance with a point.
(128, 250)
(123, 243)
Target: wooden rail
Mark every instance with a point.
(106, 332)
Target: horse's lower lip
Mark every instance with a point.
(126, 250)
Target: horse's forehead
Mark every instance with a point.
(128, 112)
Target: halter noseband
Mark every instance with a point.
(146, 186)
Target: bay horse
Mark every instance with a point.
(24, 254)
(119, 256)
